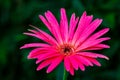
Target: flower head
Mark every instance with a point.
(71, 43)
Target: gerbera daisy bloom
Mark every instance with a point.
(69, 43)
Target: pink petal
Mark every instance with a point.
(97, 47)
(102, 46)
(84, 60)
(46, 56)
(44, 36)
(71, 70)
(34, 45)
(34, 33)
(45, 63)
(87, 44)
(94, 61)
(94, 36)
(52, 18)
(89, 30)
(55, 63)
(93, 55)
(46, 23)
(80, 27)
(54, 25)
(80, 64)
(31, 34)
(35, 52)
(67, 63)
(98, 34)
(64, 25)
(92, 27)
(73, 24)
(73, 62)
(38, 51)
(51, 28)
(84, 25)
(72, 21)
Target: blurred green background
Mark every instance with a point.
(16, 15)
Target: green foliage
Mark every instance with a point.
(16, 15)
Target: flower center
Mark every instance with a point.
(66, 49)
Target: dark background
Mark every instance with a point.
(16, 15)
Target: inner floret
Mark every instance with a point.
(66, 49)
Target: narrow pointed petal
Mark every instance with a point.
(46, 23)
(55, 63)
(87, 44)
(84, 60)
(67, 63)
(97, 47)
(102, 46)
(54, 25)
(51, 24)
(29, 45)
(89, 30)
(83, 24)
(92, 27)
(46, 56)
(94, 36)
(74, 62)
(94, 61)
(98, 34)
(64, 25)
(35, 52)
(45, 36)
(38, 51)
(51, 28)
(71, 70)
(31, 34)
(93, 55)
(80, 64)
(80, 27)
(38, 35)
(72, 20)
(44, 63)
(102, 56)
(52, 18)
(73, 25)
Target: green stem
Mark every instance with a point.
(65, 75)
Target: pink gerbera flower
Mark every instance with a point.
(71, 43)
